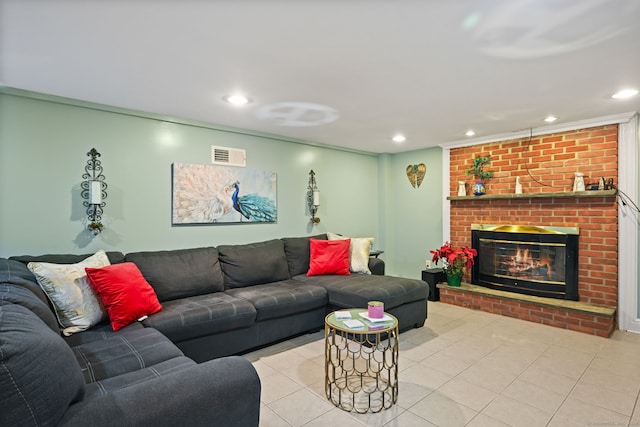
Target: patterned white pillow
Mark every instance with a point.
(77, 305)
(359, 251)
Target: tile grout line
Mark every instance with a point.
(573, 388)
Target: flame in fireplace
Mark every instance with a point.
(523, 257)
(546, 261)
(522, 262)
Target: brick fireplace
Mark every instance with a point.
(551, 160)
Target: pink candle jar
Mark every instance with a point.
(375, 309)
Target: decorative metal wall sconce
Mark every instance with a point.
(94, 189)
(313, 197)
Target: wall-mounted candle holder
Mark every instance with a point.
(94, 190)
(313, 197)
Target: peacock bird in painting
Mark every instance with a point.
(253, 206)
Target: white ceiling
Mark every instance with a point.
(348, 73)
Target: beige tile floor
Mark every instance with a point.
(468, 368)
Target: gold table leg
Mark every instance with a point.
(361, 369)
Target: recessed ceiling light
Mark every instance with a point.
(625, 93)
(470, 132)
(399, 138)
(236, 99)
(550, 119)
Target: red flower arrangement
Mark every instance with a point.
(455, 259)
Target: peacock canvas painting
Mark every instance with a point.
(209, 194)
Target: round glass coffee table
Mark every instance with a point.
(361, 363)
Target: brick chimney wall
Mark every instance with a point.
(552, 160)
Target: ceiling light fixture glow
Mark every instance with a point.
(625, 93)
(550, 119)
(399, 138)
(470, 132)
(236, 99)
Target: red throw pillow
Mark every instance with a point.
(329, 257)
(124, 292)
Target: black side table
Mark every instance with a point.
(433, 276)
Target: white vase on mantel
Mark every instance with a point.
(518, 185)
(462, 188)
(578, 183)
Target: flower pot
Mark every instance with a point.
(478, 188)
(454, 279)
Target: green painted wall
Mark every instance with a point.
(412, 217)
(43, 152)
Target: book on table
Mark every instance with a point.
(353, 324)
(343, 314)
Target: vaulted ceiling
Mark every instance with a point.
(348, 73)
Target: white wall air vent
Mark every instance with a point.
(228, 156)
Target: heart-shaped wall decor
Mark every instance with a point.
(416, 173)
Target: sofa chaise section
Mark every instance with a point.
(404, 298)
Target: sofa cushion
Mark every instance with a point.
(253, 264)
(15, 272)
(218, 393)
(180, 273)
(114, 258)
(100, 332)
(16, 294)
(297, 251)
(124, 293)
(109, 385)
(280, 299)
(202, 315)
(359, 251)
(329, 257)
(358, 289)
(76, 304)
(39, 376)
(124, 352)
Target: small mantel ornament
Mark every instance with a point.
(518, 185)
(462, 188)
(578, 183)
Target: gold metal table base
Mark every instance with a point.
(361, 367)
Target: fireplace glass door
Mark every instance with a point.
(528, 260)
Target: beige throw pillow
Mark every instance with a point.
(359, 251)
(76, 304)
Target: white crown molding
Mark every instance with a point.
(543, 130)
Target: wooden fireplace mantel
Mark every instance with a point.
(547, 195)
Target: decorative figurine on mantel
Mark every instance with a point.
(518, 185)
(578, 183)
(462, 188)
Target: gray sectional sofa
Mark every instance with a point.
(180, 365)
